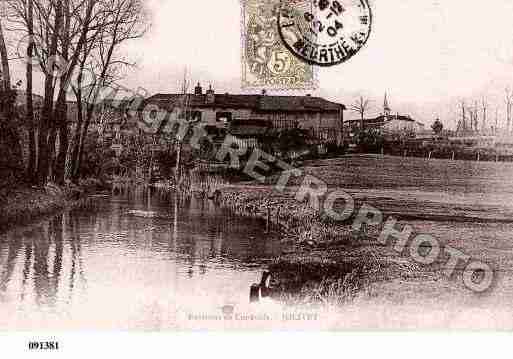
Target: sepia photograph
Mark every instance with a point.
(254, 165)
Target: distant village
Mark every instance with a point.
(252, 118)
(287, 126)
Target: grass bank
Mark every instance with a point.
(296, 221)
(22, 205)
(326, 262)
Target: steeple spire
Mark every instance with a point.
(386, 107)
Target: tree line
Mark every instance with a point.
(75, 46)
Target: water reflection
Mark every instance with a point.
(34, 255)
(83, 267)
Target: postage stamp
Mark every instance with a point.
(266, 62)
(324, 32)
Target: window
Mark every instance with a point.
(225, 117)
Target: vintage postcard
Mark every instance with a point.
(237, 165)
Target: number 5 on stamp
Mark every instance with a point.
(266, 62)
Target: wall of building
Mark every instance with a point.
(322, 125)
(305, 120)
(401, 125)
(208, 115)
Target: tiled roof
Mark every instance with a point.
(254, 102)
(297, 103)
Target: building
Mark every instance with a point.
(114, 122)
(387, 123)
(251, 117)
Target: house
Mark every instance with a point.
(252, 117)
(387, 123)
(113, 120)
(397, 124)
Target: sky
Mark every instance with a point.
(428, 55)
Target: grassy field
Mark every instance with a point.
(387, 172)
(467, 205)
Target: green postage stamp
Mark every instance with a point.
(266, 62)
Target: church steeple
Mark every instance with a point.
(386, 107)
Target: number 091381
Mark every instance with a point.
(43, 345)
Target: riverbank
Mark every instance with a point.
(327, 262)
(463, 204)
(20, 205)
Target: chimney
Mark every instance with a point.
(308, 95)
(198, 90)
(210, 95)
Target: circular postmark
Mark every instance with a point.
(324, 32)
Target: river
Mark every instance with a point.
(189, 261)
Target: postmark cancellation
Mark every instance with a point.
(324, 32)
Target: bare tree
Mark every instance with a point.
(10, 163)
(70, 52)
(496, 129)
(47, 124)
(60, 111)
(82, 99)
(4, 59)
(462, 125)
(73, 35)
(184, 109)
(30, 105)
(46, 16)
(509, 101)
(121, 21)
(484, 107)
(474, 117)
(475, 113)
(361, 106)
